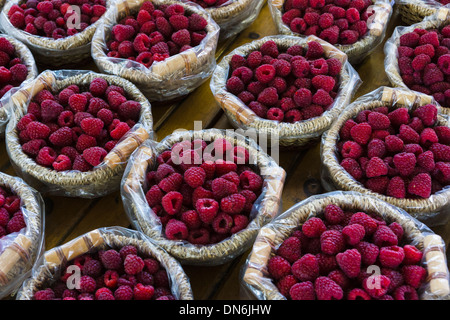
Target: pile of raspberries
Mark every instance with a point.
(287, 86)
(424, 62)
(112, 274)
(199, 194)
(75, 128)
(12, 69)
(154, 34)
(344, 255)
(54, 18)
(341, 22)
(212, 3)
(11, 216)
(398, 153)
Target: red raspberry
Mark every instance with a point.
(350, 262)
(250, 181)
(222, 188)
(353, 234)
(361, 133)
(94, 155)
(172, 202)
(396, 188)
(133, 264)
(87, 284)
(143, 292)
(352, 167)
(412, 255)
(384, 237)
(340, 278)
(123, 293)
(414, 275)
(197, 22)
(327, 289)
(191, 219)
(394, 144)
(376, 167)
(46, 294)
(62, 163)
(420, 185)
(275, 114)
(370, 225)
(207, 209)
(358, 294)
(278, 267)
(332, 242)
(80, 164)
(313, 227)
(37, 130)
(376, 286)
(440, 151)
(112, 260)
(181, 37)
(61, 137)
(233, 204)
(32, 147)
(376, 148)
(399, 116)
(176, 230)
(306, 268)
(222, 223)
(265, 73)
(46, 156)
(378, 121)
(333, 214)
(199, 236)
(16, 223)
(285, 284)
(391, 257)
(314, 51)
(443, 134)
(326, 262)
(302, 291)
(290, 249)
(240, 223)
(405, 292)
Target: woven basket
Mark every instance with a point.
(25, 54)
(413, 11)
(439, 19)
(20, 253)
(298, 134)
(254, 273)
(64, 52)
(104, 178)
(174, 77)
(433, 210)
(144, 219)
(356, 52)
(56, 259)
(235, 16)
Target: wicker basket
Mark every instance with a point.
(254, 272)
(298, 134)
(21, 251)
(235, 16)
(104, 178)
(414, 11)
(356, 52)
(143, 218)
(25, 54)
(435, 209)
(172, 78)
(65, 52)
(54, 260)
(439, 19)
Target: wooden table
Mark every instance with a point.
(68, 218)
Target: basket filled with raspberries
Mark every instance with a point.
(232, 16)
(17, 68)
(287, 87)
(355, 27)
(58, 32)
(166, 47)
(75, 130)
(346, 246)
(202, 195)
(21, 232)
(417, 57)
(393, 144)
(112, 263)
(414, 11)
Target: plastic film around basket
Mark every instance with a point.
(104, 178)
(414, 11)
(439, 19)
(48, 269)
(298, 134)
(376, 25)
(172, 78)
(256, 283)
(20, 250)
(265, 208)
(433, 210)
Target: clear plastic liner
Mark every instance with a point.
(300, 133)
(25, 54)
(265, 208)
(356, 52)
(49, 268)
(20, 250)
(414, 11)
(256, 283)
(172, 78)
(63, 52)
(102, 179)
(434, 210)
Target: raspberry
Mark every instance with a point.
(376, 167)
(420, 185)
(46, 156)
(181, 37)
(414, 275)
(306, 268)
(78, 102)
(122, 32)
(37, 130)
(440, 151)
(222, 223)
(240, 223)
(313, 227)
(332, 242)
(426, 113)
(302, 291)
(94, 155)
(278, 267)
(353, 234)
(322, 98)
(16, 223)
(265, 73)
(298, 25)
(32, 147)
(290, 249)
(197, 22)
(269, 96)
(412, 255)
(350, 262)
(326, 83)
(327, 289)
(123, 293)
(222, 188)
(384, 237)
(432, 74)
(361, 133)
(207, 209)
(314, 50)
(396, 188)
(233, 204)
(61, 137)
(62, 163)
(333, 214)
(143, 292)
(420, 62)
(376, 148)
(46, 294)
(275, 114)
(391, 257)
(269, 48)
(119, 131)
(376, 286)
(352, 167)
(87, 284)
(319, 67)
(80, 164)
(235, 85)
(405, 163)
(133, 264)
(405, 292)
(410, 39)
(369, 252)
(443, 134)
(195, 177)
(358, 294)
(172, 202)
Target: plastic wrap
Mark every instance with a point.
(434, 210)
(20, 250)
(102, 179)
(172, 78)
(256, 283)
(376, 25)
(414, 11)
(143, 218)
(25, 54)
(439, 19)
(49, 268)
(235, 15)
(300, 133)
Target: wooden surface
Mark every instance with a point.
(68, 218)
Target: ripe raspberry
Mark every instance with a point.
(195, 177)
(112, 260)
(123, 293)
(333, 214)
(143, 292)
(314, 51)
(222, 223)
(302, 291)
(222, 188)
(275, 114)
(172, 202)
(443, 134)
(414, 275)
(405, 163)
(396, 188)
(313, 227)
(327, 289)
(176, 230)
(290, 249)
(399, 116)
(197, 22)
(37, 130)
(46, 156)
(358, 294)
(376, 167)
(332, 242)
(353, 234)
(207, 209)
(361, 133)
(268, 97)
(278, 267)
(369, 252)
(133, 264)
(350, 262)
(405, 292)
(440, 151)
(412, 255)
(240, 223)
(46, 294)
(306, 268)
(324, 82)
(94, 155)
(62, 163)
(420, 185)
(16, 223)
(376, 286)
(32, 147)
(233, 204)
(384, 237)
(265, 73)
(391, 257)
